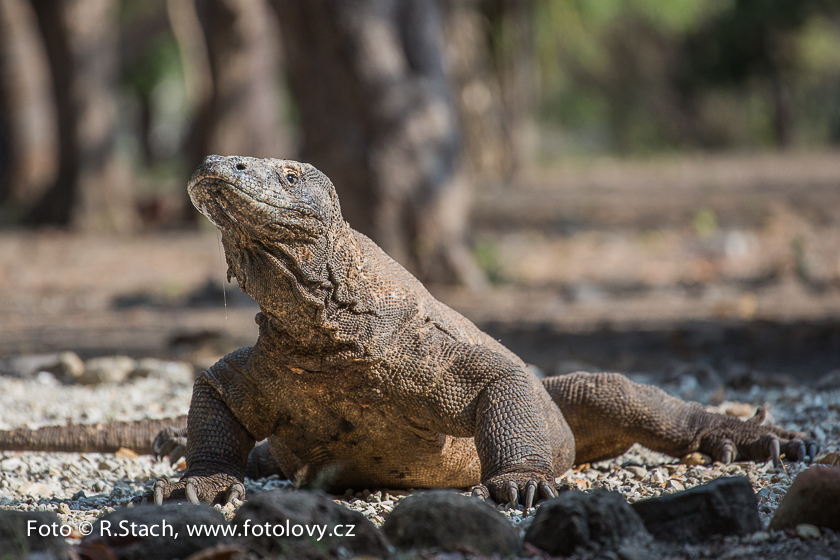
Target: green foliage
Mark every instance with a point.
(488, 258)
(705, 223)
(650, 75)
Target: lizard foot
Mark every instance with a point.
(766, 447)
(510, 488)
(217, 488)
(171, 442)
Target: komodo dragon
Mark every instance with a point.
(360, 373)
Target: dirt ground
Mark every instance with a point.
(621, 265)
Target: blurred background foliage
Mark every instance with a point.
(641, 76)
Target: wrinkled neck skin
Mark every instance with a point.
(303, 288)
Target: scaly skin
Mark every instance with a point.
(359, 372)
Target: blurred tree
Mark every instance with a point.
(90, 192)
(485, 120)
(511, 36)
(27, 111)
(230, 54)
(148, 53)
(378, 116)
(242, 113)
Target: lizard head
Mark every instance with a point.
(273, 200)
(279, 221)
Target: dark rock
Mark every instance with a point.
(26, 532)
(597, 521)
(813, 498)
(318, 527)
(725, 506)
(153, 532)
(450, 522)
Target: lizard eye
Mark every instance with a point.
(291, 177)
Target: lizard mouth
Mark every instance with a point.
(228, 205)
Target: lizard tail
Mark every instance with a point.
(98, 438)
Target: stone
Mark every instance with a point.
(66, 366)
(807, 531)
(318, 527)
(34, 489)
(830, 459)
(125, 453)
(725, 506)
(638, 472)
(740, 410)
(696, 459)
(107, 369)
(813, 498)
(180, 373)
(599, 521)
(446, 521)
(25, 534)
(155, 532)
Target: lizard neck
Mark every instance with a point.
(305, 290)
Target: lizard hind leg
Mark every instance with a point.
(608, 413)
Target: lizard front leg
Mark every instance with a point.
(506, 412)
(512, 443)
(217, 452)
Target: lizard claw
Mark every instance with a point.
(732, 440)
(159, 485)
(191, 493)
(171, 442)
(530, 494)
(759, 417)
(775, 453)
(801, 453)
(216, 488)
(237, 492)
(481, 491)
(812, 452)
(729, 452)
(512, 493)
(513, 487)
(547, 490)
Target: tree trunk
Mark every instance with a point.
(513, 50)
(378, 117)
(91, 192)
(488, 146)
(242, 113)
(26, 110)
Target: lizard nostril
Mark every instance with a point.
(241, 166)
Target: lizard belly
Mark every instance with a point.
(367, 447)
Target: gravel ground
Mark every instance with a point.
(82, 487)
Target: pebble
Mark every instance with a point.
(807, 531)
(83, 488)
